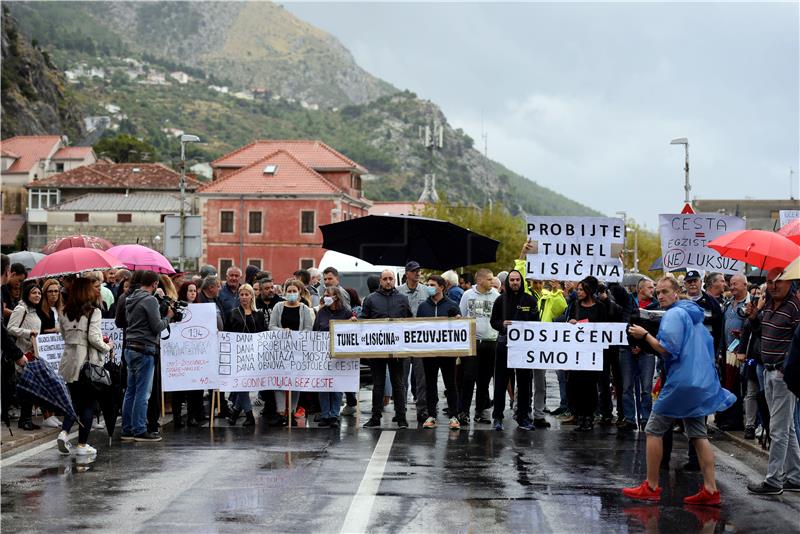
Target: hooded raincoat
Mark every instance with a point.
(692, 387)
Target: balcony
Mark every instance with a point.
(36, 216)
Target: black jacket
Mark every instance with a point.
(443, 308)
(236, 321)
(513, 306)
(715, 322)
(325, 315)
(384, 304)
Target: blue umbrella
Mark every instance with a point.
(658, 265)
(41, 382)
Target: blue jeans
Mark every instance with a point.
(241, 401)
(140, 382)
(562, 388)
(636, 370)
(330, 404)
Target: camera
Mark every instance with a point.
(177, 306)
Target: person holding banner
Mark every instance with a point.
(514, 304)
(291, 314)
(244, 318)
(332, 307)
(83, 342)
(690, 392)
(194, 398)
(477, 302)
(582, 385)
(437, 305)
(384, 303)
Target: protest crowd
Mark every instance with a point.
(749, 331)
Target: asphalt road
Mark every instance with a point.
(262, 479)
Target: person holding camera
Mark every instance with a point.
(145, 324)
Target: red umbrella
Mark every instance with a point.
(77, 241)
(791, 230)
(74, 261)
(762, 249)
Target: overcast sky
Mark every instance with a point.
(585, 98)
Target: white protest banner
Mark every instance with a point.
(684, 239)
(787, 216)
(114, 334)
(283, 360)
(572, 248)
(50, 347)
(189, 356)
(376, 338)
(535, 345)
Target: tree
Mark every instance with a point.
(492, 221)
(649, 249)
(125, 149)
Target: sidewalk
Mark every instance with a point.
(25, 438)
(738, 437)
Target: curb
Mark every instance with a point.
(751, 445)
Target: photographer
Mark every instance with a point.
(142, 347)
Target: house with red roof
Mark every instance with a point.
(25, 160)
(268, 199)
(100, 187)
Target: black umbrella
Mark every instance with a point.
(396, 239)
(111, 399)
(42, 383)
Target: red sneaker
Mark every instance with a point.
(704, 498)
(643, 492)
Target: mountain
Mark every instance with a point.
(124, 81)
(247, 44)
(34, 101)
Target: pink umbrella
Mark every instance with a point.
(77, 241)
(74, 261)
(139, 257)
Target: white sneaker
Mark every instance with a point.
(86, 450)
(98, 425)
(454, 424)
(64, 446)
(52, 422)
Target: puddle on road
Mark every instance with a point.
(287, 459)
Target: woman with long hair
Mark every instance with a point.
(83, 342)
(245, 318)
(332, 307)
(49, 307)
(24, 324)
(192, 398)
(291, 314)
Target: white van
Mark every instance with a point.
(353, 272)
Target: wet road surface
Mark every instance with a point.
(262, 479)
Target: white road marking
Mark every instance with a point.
(24, 455)
(357, 519)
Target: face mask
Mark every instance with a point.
(327, 300)
(292, 297)
(431, 290)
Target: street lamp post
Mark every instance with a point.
(185, 138)
(685, 142)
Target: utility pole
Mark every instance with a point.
(791, 183)
(433, 138)
(686, 187)
(185, 138)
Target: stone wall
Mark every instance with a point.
(119, 234)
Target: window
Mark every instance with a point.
(226, 222)
(308, 222)
(255, 262)
(37, 236)
(224, 265)
(164, 216)
(306, 263)
(59, 167)
(254, 222)
(42, 198)
(124, 217)
(81, 217)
